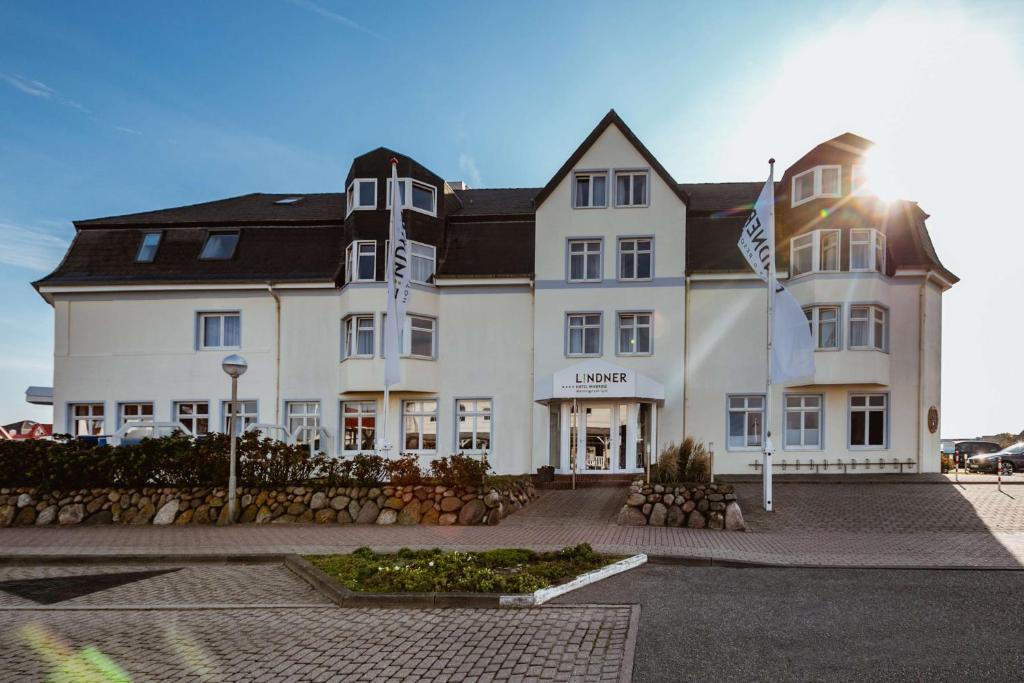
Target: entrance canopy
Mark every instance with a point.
(597, 379)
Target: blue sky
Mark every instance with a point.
(114, 107)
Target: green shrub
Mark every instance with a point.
(460, 470)
(367, 469)
(404, 470)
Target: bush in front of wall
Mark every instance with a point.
(405, 470)
(460, 470)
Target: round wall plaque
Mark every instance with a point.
(933, 419)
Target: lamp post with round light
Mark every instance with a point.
(235, 366)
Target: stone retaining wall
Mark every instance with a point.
(696, 506)
(383, 504)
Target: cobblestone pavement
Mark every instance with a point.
(854, 525)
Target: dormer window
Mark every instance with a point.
(867, 250)
(147, 249)
(361, 261)
(820, 181)
(415, 195)
(590, 190)
(361, 195)
(220, 246)
(814, 251)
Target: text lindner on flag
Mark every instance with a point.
(398, 275)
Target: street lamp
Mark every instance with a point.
(235, 366)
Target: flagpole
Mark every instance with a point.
(766, 469)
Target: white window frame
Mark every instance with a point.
(413, 256)
(139, 407)
(873, 315)
(585, 255)
(352, 254)
(817, 193)
(476, 414)
(799, 244)
(352, 197)
(589, 175)
(298, 414)
(646, 173)
(407, 335)
(248, 417)
(408, 183)
(360, 415)
(201, 318)
(858, 179)
(819, 250)
(630, 320)
(814, 242)
(421, 415)
(95, 417)
(813, 314)
(867, 409)
(748, 412)
(803, 408)
(351, 326)
(875, 243)
(155, 247)
(189, 420)
(582, 324)
(633, 254)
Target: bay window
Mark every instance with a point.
(361, 195)
(824, 324)
(802, 254)
(869, 327)
(414, 195)
(422, 259)
(357, 336)
(820, 181)
(814, 251)
(361, 261)
(867, 250)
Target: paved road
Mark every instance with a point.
(727, 624)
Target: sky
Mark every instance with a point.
(116, 107)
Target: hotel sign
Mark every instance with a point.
(594, 380)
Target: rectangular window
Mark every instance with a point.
(219, 246)
(802, 254)
(635, 258)
(824, 324)
(194, 415)
(132, 413)
(828, 252)
(879, 251)
(245, 415)
(803, 421)
(591, 190)
(220, 330)
(830, 181)
(634, 334)
(361, 262)
(746, 414)
(358, 426)
(86, 419)
(422, 261)
(820, 181)
(584, 334)
(858, 179)
(421, 336)
(869, 327)
(423, 196)
(803, 187)
(631, 188)
(474, 425)
(147, 249)
(869, 419)
(584, 260)
(361, 194)
(304, 422)
(867, 250)
(419, 425)
(357, 336)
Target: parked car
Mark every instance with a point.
(970, 447)
(1012, 458)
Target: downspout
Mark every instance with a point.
(277, 349)
(921, 319)
(686, 353)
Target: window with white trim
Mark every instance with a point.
(858, 179)
(86, 419)
(815, 251)
(133, 413)
(303, 422)
(583, 332)
(634, 336)
(636, 256)
(220, 330)
(414, 195)
(631, 188)
(357, 336)
(361, 261)
(419, 425)
(869, 327)
(585, 260)
(828, 249)
(148, 247)
(361, 195)
(422, 258)
(219, 246)
(802, 254)
(590, 190)
(417, 337)
(824, 324)
(745, 421)
(194, 415)
(803, 421)
(867, 250)
(869, 420)
(245, 415)
(473, 425)
(358, 426)
(820, 181)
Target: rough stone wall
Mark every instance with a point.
(696, 506)
(383, 504)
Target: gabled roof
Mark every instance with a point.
(248, 209)
(611, 118)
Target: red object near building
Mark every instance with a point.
(26, 430)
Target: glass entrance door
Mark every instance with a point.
(598, 438)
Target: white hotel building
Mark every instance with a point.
(612, 292)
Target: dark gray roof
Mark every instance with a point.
(488, 248)
(514, 201)
(252, 209)
(714, 197)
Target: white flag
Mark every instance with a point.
(792, 344)
(397, 274)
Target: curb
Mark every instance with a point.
(344, 597)
(142, 558)
(693, 561)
